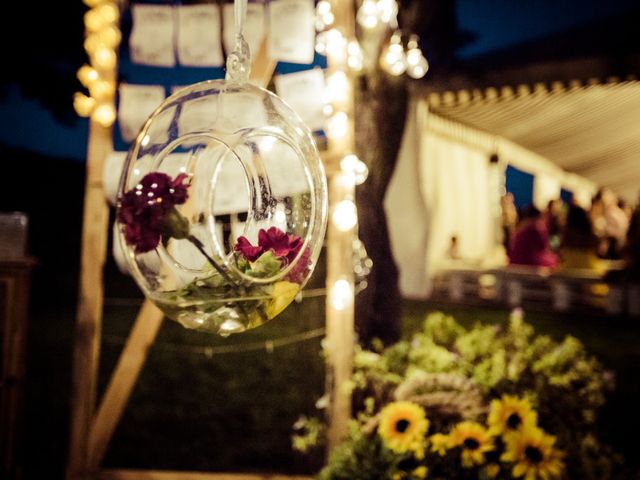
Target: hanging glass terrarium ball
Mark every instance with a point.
(223, 206)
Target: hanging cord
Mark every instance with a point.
(239, 61)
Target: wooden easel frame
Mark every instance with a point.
(92, 428)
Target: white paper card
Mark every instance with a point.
(304, 92)
(253, 27)
(151, 40)
(111, 172)
(137, 102)
(199, 36)
(291, 30)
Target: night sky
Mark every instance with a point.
(35, 94)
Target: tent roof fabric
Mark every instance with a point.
(590, 129)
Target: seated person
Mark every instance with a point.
(578, 248)
(530, 242)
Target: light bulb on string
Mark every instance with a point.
(336, 46)
(321, 42)
(352, 164)
(367, 16)
(417, 65)
(337, 88)
(337, 126)
(108, 13)
(324, 15)
(104, 114)
(83, 105)
(87, 75)
(101, 90)
(341, 294)
(93, 21)
(93, 3)
(104, 58)
(355, 58)
(387, 10)
(345, 215)
(394, 60)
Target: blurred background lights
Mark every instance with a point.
(352, 164)
(393, 59)
(341, 294)
(355, 59)
(345, 215)
(337, 126)
(417, 65)
(367, 15)
(104, 114)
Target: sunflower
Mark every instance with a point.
(510, 414)
(531, 450)
(474, 440)
(402, 427)
(439, 443)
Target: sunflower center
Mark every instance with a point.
(533, 454)
(471, 443)
(514, 421)
(402, 425)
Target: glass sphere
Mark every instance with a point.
(222, 206)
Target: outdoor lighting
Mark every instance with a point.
(107, 37)
(104, 58)
(321, 43)
(352, 164)
(355, 59)
(393, 59)
(367, 15)
(337, 87)
(104, 114)
(92, 21)
(92, 3)
(345, 215)
(387, 10)
(337, 126)
(87, 75)
(417, 65)
(324, 15)
(341, 294)
(336, 45)
(83, 105)
(108, 13)
(101, 89)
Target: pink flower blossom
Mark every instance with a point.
(286, 247)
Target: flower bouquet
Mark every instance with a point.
(223, 295)
(483, 403)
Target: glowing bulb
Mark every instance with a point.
(321, 43)
(345, 215)
(323, 7)
(280, 216)
(352, 164)
(337, 126)
(87, 75)
(337, 87)
(341, 294)
(387, 9)
(92, 3)
(93, 21)
(417, 65)
(109, 37)
(83, 105)
(267, 143)
(393, 59)
(336, 45)
(327, 110)
(367, 15)
(104, 114)
(355, 58)
(104, 58)
(108, 13)
(101, 90)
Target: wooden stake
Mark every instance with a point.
(125, 376)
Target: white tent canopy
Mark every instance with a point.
(592, 130)
(444, 185)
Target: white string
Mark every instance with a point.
(239, 61)
(240, 11)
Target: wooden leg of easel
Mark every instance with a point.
(95, 225)
(263, 65)
(122, 381)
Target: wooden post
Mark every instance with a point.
(95, 227)
(340, 279)
(122, 381)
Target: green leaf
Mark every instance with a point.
(266, 265)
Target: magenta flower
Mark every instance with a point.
(283, 246)
(148, 210)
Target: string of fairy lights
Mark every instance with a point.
(102, 39)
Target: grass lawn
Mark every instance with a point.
(233, 411)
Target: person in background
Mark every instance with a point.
(530, 242)
(554, 219)
(509, 218)
(452, 252)
(579, 243)
(610, 224)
